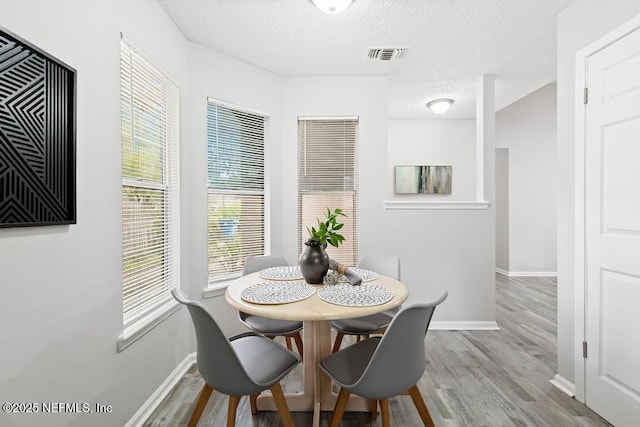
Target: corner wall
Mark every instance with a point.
(213, 74)
(362, 96)
(528, 129)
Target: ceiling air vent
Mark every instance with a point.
(387, 53)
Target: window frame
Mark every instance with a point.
(217, 285)
(301, 232)
(145, 316)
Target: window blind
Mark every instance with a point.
(236, 188)
(327, 178)
(150, 185)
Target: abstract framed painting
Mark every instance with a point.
(423, 179)
(37, 136)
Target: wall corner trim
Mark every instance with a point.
(161, 392)
(564, 385)
(435, 204)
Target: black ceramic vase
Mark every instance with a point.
(314, 262)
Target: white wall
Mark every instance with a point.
(441, 249)
(580, 24)
(61, 305)
(528, 129)
(365, 97)
(434, 142)
(502, 209)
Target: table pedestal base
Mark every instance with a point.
(317, 394)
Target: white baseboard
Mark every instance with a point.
(564, 385)
(463, 325)
(502, 271)
(161, 392)
(527, 273)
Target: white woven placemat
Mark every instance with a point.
(277, 292)
(281, 273)
(355, 296)
(365, 275)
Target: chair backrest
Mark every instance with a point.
(391, 372)
(260, 262)
(387, 265)
(217, 361)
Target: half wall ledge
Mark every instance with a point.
(424, 204)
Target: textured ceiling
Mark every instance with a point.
(452, 43)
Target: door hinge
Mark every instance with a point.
(584, 349)
(586, 95)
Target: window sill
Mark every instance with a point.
(138, 329)
(424, 204)
(215, 289)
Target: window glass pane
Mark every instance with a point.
(144, 124)
(143, 243)
(235, 152)
(314, 205)
(235, 230)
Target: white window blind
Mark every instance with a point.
(327, 178)
(150, 185)
(236, 188)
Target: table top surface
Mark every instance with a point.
(312, 308)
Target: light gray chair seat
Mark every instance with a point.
(348, 365)
(245, 364)
(263, 365)
(363, 325)
(270, 327)
(382, 367)
(386, 265)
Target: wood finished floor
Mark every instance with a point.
(472, 378)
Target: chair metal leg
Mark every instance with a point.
(414, 392)
(253, 400)
(336, 344)
(231, 413)
(298, 339)
(203, 398)
(384, 408)
(341, 404)
(281, 403)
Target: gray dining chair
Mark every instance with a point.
(270, 328)
(245, 364)
(376, 370)
(387, 265)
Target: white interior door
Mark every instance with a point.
(612, 231)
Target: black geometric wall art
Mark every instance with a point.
(37, 136)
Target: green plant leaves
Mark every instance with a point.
(326, 232)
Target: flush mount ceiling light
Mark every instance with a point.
(332, 7)
(439, 106)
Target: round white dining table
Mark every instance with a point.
(316, 315)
